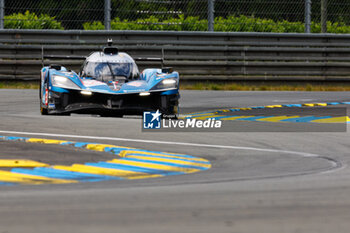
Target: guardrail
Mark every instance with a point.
(196, 55)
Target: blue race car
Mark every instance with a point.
(109, 84)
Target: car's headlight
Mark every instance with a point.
(64, 82)
(167, 84)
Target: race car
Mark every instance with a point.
(109, 84)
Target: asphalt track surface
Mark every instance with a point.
(259, 181)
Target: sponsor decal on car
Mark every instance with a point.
(90, 83)
(52, 106)
(46, 96)
(135, 84)
(133, 91)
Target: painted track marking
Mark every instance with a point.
(312, 119)
(132, 164)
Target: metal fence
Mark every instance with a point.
(179, 15)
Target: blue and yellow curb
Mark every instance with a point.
(313, 119)
(130, 163)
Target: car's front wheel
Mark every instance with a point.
(43, 111)
(169, 106)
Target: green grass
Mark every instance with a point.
(19, 85)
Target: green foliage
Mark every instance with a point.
(232, 23)
(31, 21)
(97, 25)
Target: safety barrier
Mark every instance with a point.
(196, 55)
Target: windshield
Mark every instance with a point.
(106, 71)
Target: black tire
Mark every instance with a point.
(171, 109)
(43, 111)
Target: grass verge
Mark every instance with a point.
(223, 86)
(19, 85)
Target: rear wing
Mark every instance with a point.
(161, 60)
(79, 57)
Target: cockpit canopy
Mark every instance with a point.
(105, 68)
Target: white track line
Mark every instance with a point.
(303, 154)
